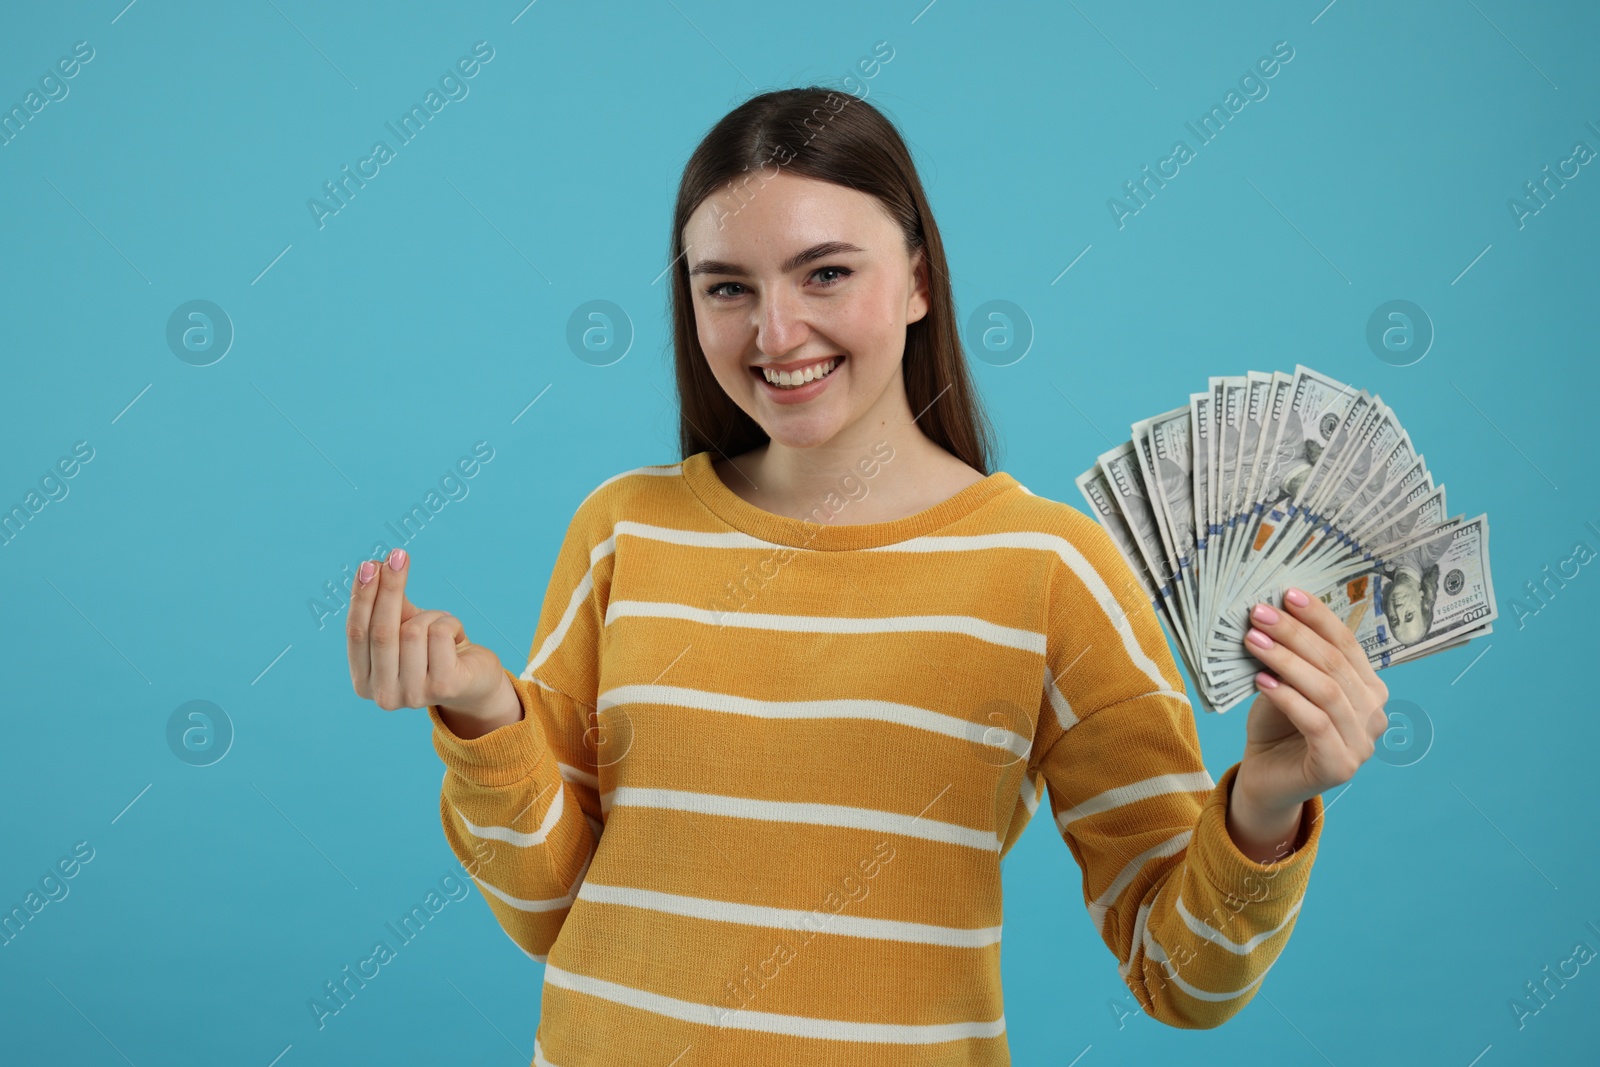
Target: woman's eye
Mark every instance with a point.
(718, 292)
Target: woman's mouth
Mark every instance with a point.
(799, 385)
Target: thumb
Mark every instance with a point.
(459, 639)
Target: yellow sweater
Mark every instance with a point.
(755, 812)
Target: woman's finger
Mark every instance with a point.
(415, 654)
(1323, 654)
(1370, 706)
(384, 632)
(446, 638)
(1323, 739)
(357, 625)
(1327, 623)
(1291, 665)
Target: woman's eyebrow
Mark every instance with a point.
(794, 262)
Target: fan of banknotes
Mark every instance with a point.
(1266, 481)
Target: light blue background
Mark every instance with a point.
(432, 310)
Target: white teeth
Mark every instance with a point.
(785, 379)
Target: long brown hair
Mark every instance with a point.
(818, 133)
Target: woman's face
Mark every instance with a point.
(851, 297)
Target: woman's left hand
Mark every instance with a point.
(1315, 721)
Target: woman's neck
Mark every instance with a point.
(883, 477)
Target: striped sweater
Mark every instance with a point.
(768, 768)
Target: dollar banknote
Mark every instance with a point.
(1266, 480)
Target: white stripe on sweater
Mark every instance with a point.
(521, 839)
(553, 640)
(1157, 953)
(982, 629)
(548, 904)
(1104, 902)
(879, 710)
(1057, 699)
(1144, 789)
(1139, 922)
(1030, 789)
(1027, 540)
(659, 469)
(1070, 555)
(1216, 937)
(798, 921)
(803, 812)
(578, 775)
(693, 538)
(770, 1022)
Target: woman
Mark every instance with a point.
(792, 699)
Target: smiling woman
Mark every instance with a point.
(683, 789)
(815, 314)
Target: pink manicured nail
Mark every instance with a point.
(1265, 614)
(365, 572)
(1297, 598)
(1257, 638)
(1266, 681)
(397, 559)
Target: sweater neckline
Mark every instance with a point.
(744, 516)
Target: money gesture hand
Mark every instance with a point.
(1315, 721)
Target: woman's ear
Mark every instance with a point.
(918, 303)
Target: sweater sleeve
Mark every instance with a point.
(519, 805)
(1193, 922)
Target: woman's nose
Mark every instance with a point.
(781, 324)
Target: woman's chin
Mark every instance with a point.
(801, 432)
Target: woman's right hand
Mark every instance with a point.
(404, 657)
